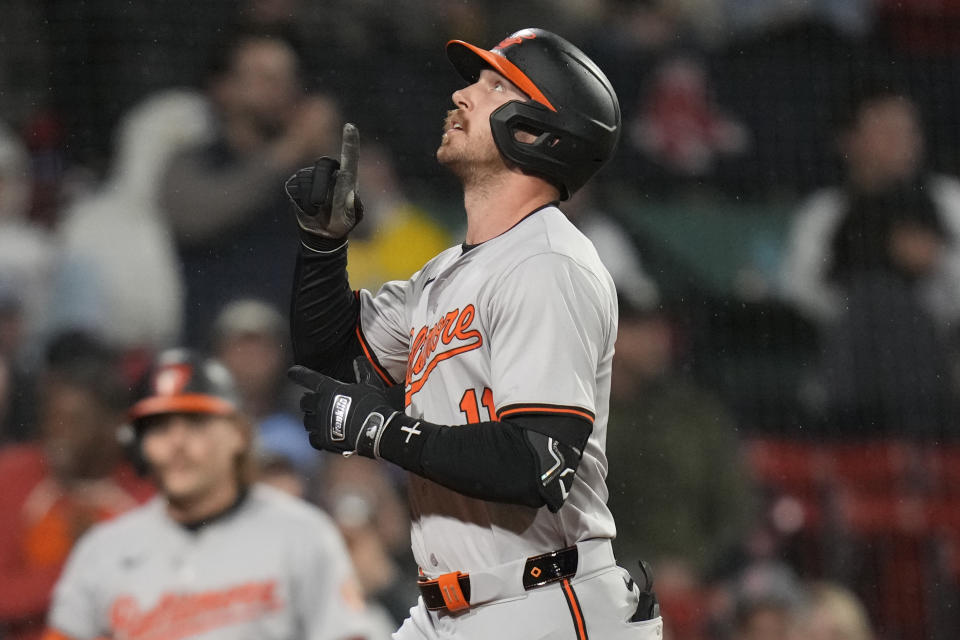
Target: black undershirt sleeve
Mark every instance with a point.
(490, 460)
(324, 311)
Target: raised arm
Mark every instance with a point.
(325, 312)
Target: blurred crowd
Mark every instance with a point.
(142, 151)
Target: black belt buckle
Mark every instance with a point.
(550, 567)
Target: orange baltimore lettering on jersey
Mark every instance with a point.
(181, 615)
(453, 330)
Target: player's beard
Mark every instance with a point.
(189, 482)
(206, 495)
(473, 158)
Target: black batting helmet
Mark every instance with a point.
(182, 381)
(573, 109)
(179, 381)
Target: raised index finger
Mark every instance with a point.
(350, 149)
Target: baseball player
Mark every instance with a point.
(500, 349)
(213, 556)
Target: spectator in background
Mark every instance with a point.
(398, 237)
(250, 338)
(638, 41)
(616, 247)
(224, 199)
(667, 438)
(214, 555)
(26, 276)
(767, 603)
(678, 487)
(680, 127)
(57, 488)
(833, 612)
(118, 268)
(882, 146)
(26, 251)
(887, 364)
(364, 501)
(277, 471)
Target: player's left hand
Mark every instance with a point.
(324, 196)
(340, 417)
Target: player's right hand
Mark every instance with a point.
(324, 196)
(344, 418)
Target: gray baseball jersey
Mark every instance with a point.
(523, 322)
(276, 568)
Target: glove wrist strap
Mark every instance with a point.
(314, 243)
(368, 439)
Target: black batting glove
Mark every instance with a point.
(344, 418)
(324, 196)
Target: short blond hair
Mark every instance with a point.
(843, 608)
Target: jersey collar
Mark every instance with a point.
(196, 525)
(468, 247)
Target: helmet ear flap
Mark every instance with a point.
(565, 157)
(520, 137)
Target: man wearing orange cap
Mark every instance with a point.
(214, 555)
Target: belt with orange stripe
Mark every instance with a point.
(451, 591)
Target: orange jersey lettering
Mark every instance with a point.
(454, 328)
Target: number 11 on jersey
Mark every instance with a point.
(471, 408)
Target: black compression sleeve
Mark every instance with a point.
(490, 460)
(324, 312)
